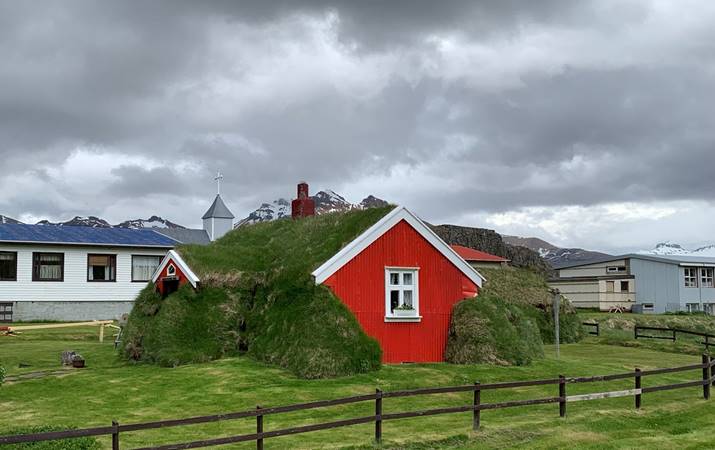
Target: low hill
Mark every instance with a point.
(258, 298)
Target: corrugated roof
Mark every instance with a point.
(77, 235)
(218, 210)
(470, 254)
(185, 235)
(668, 259)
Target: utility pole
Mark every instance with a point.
(556, 305)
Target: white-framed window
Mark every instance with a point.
(615, 269)
(691, 276)
(171, 270)
(402, 292)
(706, 277)
(144, 266)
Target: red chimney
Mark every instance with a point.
(303, 206)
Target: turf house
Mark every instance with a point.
(326, 295)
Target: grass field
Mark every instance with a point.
(111, 389)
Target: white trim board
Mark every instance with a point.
(179, 261)
(400, 213)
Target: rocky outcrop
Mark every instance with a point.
(491, 242)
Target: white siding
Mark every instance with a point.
(75, 287)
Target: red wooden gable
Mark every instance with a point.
(360, 284)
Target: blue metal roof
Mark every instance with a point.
(76, 235)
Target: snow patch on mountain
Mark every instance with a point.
(277, 209)
(151, 222)
(327, 201)
(673, 249)
(79, 221)
(6, 219)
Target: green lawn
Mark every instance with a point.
(111, 389)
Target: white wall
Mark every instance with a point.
(75, 287)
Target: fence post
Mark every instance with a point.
(635, 331)
(477, 414)
(259, 429)
(638, 386)
(712, 370)
(562, 396)
(598, 329)
(378, 416)
(115, 435)
(673, 335)
(706, 376)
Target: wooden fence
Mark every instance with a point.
(709, 339)
(476, 407)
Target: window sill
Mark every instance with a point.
(403, 318)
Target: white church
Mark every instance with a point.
(68, 273)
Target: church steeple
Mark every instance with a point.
(218, 219)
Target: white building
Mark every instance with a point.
(51, 272)
(74, 273)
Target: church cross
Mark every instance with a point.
(218, 179)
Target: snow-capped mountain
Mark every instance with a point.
(96, 222)
(278, 209)
(673, 249)
(6, 219)
(325, 202)
(556, 256)
(151, 222)
(91, 221)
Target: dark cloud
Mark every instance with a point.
(489, 106)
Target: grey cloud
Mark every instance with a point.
(138, 78)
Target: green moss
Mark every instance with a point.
(529, 290)
(493, 331)
(258, 298)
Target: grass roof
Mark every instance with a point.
(258, 298)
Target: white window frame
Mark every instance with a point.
(706, 277)
(690, 277)
(615, 269)
(389, 315)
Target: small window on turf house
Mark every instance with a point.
(101, 267)
(401, 293)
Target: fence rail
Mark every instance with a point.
(476, 407)
(709, 338)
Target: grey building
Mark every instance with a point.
(642, 283)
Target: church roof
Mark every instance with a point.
(218, 210)
(185, 235)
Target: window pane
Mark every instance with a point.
(407, 279)
(143, 267)
(8, 266)
(394, 300)
(395, 279)
(45, 258)
(407, 298)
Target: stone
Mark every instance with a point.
(67, 357)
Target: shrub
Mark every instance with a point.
(82, 443)
(490, 330)
(2, 375)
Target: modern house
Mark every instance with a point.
(75, 273)
(641, 283)
(479, 259)
(51, 272)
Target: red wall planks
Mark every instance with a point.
(360, 284)
(165, 274)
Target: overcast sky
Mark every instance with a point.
(584, 123)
